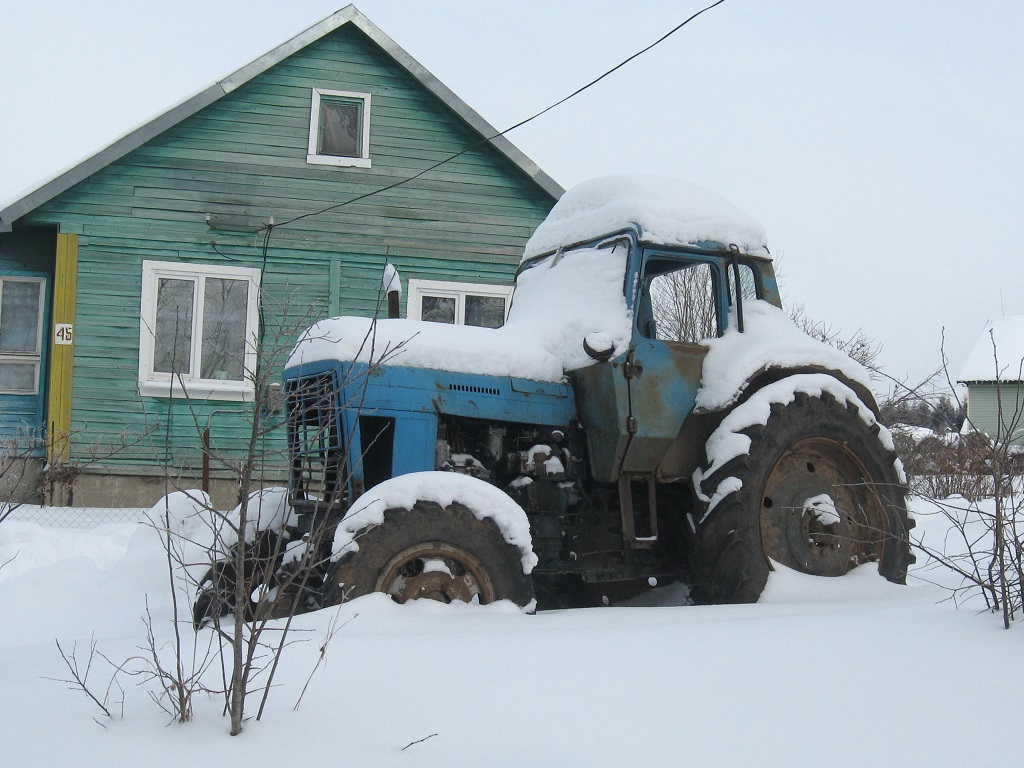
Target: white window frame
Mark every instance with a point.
(34, 357)
(455, 290)
(313, 155)
(157, 384)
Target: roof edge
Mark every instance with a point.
(994, 382)
(138, 136)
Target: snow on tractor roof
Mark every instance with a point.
(668, 212)
(1002, 340)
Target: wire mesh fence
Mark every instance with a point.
(72, 517)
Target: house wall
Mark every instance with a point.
(985, 402)
(242, 160)
(28, 249)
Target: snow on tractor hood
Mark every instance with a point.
(769, 340)
(557, 303)
(668, 212)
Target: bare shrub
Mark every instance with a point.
(984, 546)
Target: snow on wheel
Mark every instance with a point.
(435, 553)
(817, 490)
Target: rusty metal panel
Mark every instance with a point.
(602, 404)
(663, 391)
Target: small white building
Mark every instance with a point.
(994, 375)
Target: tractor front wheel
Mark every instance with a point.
(431, 552)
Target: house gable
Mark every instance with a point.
(994, 375)
(346, 16)
(200, 185)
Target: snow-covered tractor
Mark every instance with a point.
(647, 413)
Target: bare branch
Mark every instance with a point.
(80, 677)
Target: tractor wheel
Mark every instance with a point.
(819, 493)
(435, 553)
(215, 596)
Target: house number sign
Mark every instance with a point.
(63, 333)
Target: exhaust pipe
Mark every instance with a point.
(392, 287)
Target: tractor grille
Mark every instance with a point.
(316, 443)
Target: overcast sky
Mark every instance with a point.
(881, 142)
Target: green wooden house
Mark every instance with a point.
(137, 288)
(994, 375)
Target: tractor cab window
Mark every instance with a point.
(678, 302)
(747, 283)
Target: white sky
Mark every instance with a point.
(879, 142)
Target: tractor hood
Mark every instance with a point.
(557, 304)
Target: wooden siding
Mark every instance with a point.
(28, 249)
(243, 159)
(985, 402)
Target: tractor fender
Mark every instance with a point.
(767, 376)
(484, 500)
(687, 452)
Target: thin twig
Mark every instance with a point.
(80, 679)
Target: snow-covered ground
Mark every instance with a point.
(837, 672)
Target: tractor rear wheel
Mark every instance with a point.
(818, 492)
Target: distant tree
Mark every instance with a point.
(857, 345)
(945, 416)
(922, 413)
(682, 304)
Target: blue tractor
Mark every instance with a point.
(646, 414)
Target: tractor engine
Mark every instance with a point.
(540, 467)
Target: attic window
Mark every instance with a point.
(339, 128)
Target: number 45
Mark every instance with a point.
(63, 333)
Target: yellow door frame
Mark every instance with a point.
(65, 283)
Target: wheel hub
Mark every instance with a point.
(818, 514)
(435, 571)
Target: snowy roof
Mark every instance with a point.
(668, 212)
(1002, 339)
(10, 211)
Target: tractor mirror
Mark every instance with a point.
(599, 346)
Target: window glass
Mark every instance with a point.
(224, 316)
(679, 305)
(485, 311)
(340, 128)
(444, 301)
(438, 309)
(173, 343)
(748, 283)
(19, 315)
(18, 377)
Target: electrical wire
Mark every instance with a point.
(270, 227)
